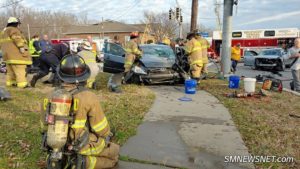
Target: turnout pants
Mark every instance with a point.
(16, 75)
(196, 71)
(108, 158)
(94, 72)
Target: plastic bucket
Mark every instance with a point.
(190, 86)
(249, 85)
(234, 82)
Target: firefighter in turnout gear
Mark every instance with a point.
(15, 54)
(90, 59)
(35, 50)
(90, 122)
(132, 51)
(194, 50)
(205, 45)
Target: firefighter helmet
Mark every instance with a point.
(72, 69)
(134, 35)
(13, 20)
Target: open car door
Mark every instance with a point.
(114, 56)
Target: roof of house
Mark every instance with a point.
(104, 27)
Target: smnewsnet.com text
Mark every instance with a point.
(258, 159)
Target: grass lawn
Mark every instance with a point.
(264, 123)
(19, 120)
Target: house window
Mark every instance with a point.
(127, 38)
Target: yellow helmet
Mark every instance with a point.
(166, 41)
(13, 20)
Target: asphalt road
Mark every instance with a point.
(248, 72)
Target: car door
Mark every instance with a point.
(114, 56)
(249, 57)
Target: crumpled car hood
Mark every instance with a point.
(151, 61)
(267, 56)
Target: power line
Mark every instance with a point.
(13, 3)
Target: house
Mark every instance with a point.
(108, 30)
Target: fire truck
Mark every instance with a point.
(256, 40)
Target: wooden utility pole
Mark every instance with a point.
(194, 15)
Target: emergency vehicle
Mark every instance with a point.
(258, 39)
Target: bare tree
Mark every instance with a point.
(160, 25)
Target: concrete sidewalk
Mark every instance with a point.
(196, 134)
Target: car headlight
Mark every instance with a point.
(139, 70)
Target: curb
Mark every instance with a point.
(291, 91)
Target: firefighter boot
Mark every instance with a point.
(35, 78)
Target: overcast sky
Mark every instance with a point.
(250, 14)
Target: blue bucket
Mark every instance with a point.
(190, 86)
(234, 82)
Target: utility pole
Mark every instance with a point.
(194, 15)
(226, 37)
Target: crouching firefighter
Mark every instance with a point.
(76, 131)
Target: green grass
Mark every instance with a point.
(20, 139)
(264, 123)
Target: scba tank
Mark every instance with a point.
(61, 101)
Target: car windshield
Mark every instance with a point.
(158, 51)
(270, 52)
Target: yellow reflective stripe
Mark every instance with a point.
(128, 63)
(137, 51)
(128, 50)
(197, 62)
(75, 104)
(22, 84)
(196, 48)
(35, 56)
(90, 61)
(10, 83)
(92, 162)
(20, 62)
(46, 101)
(78, 124)
(101, 125)
(94, 150)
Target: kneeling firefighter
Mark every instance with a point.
(76, 131)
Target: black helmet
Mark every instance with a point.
(72, 69)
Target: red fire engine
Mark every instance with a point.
(255, 40)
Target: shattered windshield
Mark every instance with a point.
(158, 51)
(270, 52)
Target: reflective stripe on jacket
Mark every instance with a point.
(90, 117)
(132, 52)
(11, 49)
(194, 49)
(88, 56)
(205, 45)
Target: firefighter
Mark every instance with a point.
(194, 51)
(89, 117)
(35, 50)
(205, 45)
(235, 56)
(90, 60)
(132, 51)
(50, 59)
(15, 54)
